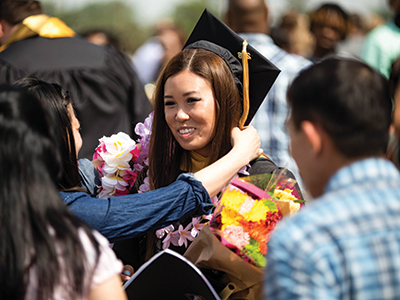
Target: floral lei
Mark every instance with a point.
(122, 159)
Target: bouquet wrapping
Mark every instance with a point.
(236, 240)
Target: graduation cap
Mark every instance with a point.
(253, 73)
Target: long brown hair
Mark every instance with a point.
(165, 155)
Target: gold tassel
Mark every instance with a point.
(246, 98)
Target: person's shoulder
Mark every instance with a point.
(383, 32)
(262, 165)
(314, 218)
(292, 62)
(71, 197)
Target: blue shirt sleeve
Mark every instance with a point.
(89, 175)
(124, 217)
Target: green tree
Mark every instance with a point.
(187, 14)
(299, 5)
(114, 17)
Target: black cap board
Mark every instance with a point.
(213, 35)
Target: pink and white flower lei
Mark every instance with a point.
(121, 160)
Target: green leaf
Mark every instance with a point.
(299, 201)
(270, 204)
(253, 250)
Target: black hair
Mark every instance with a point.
(57, 100)
(350, 100)
(34, 222)
(394, 77)
(15, 12)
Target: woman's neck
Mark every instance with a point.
(197, 162)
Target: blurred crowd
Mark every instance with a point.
(312, 96)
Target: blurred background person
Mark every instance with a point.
(150, 58)
(295, 26)
(357, 30)
(382, 45)
(108, 95)
(329, 24)
(249, 18)
(102, 37)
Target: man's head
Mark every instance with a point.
(247, 16)
(13, 12)
(340, 112)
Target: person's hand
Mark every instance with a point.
(246, 143)
(127, 272)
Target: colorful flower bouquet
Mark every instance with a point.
(247, 215)
(236, 240)
(121, 159)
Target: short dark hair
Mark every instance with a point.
(350, 100)
(394, 77)
(15, 12)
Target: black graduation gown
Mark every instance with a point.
(106, 92)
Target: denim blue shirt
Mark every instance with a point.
(89, 176)
(123, 217)
(343, 245)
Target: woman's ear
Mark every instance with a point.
(314, 135)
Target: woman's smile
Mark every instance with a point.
(186, 131)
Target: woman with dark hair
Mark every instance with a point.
(217, 108)
(198, 100)
(123, 217)
(45, 251)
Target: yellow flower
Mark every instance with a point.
(258, 212)
(229, 217)
(233, 199)
(286, 194)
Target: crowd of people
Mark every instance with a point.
(314, 98)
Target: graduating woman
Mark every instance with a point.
(203, 92)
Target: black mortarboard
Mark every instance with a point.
(212, 34)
